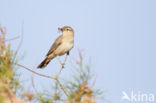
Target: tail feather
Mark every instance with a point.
(44, 63)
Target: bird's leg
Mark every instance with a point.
(68, 53)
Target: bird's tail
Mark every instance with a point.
(44, 63)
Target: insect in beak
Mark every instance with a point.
(60, 30)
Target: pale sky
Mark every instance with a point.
(118, 35)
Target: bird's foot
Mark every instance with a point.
(68, 53)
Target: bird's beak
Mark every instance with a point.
(60, 30)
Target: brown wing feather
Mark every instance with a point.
(57, 42)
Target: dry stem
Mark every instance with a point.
(46, 76)
(19, 43)
(61, 64)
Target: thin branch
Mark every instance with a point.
(3, 30)
(93, 84)
(46, 76)
(58, 58)
(33, 84)
(19, 43)
(17, 37)
(61, 64)
(62, 88)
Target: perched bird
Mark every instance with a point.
(62, 45)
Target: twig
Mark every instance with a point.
(9, 94)
(33, 84)
(62, 65)
(58, 58)
(19, 43)
(62, 87)
(36, 72)
(12, 38)
(92, 85)
(46, 76)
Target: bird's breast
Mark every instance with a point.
(66, 45)
(68, 40)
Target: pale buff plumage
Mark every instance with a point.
(62, 45)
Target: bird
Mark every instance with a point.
(62, 45)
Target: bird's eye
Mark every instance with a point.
(67, 29)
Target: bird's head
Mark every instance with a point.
(66, 29)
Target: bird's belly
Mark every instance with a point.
(63, 48)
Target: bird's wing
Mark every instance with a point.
(57, 42)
